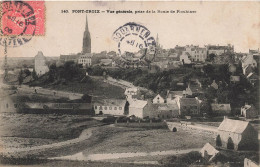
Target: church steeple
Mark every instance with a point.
(86, 39)
(157, 41)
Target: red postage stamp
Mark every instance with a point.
(22, 18)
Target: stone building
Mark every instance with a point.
(219, 50)
(85, 60)
(249, 111)
(40, 64)
(237, 135)
(111, 106)
(158, 99)
(221, 109)
(139, 108)
(197, 53)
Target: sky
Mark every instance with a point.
(237, 23)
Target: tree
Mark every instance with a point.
(20, 77)
(205, 107)
(27, 72)
(34, 75)
(208, 69)
(211, 57)
(86, 98)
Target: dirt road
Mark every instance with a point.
(99, 157)
(86, 134)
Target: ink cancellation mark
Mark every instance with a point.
(134, 42)
(20, 21)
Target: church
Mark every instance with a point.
(84, 57)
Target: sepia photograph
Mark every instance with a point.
(129, 83)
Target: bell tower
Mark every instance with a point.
(86, 48)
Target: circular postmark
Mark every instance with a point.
(135, 42)
(18, 23)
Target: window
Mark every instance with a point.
(6, 105)
(105, 108)
(100, 107)
(115, 108)
(95, 107)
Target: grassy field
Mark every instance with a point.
(79, 164)
(121, 139)
(95, 87)
(25, 130)
(145, 125)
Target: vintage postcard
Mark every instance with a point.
(129, 83)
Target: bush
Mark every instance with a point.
(183, 159)
(86, 98)
(110, 119)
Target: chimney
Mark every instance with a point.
(225, 117)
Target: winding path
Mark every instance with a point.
(86, 134)
(99, 157)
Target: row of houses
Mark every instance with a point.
(192, 53)
(174, 104)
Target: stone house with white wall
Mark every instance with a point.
(158, 99)
(110, 106)
(237, 135)
(85, 60)
(40, 64)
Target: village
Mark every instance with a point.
(205, 93)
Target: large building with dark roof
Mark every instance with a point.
(237, 135)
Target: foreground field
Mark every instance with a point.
(124, 140)
(27, 130)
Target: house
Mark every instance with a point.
(70, 57)
(252, 78)
(237, 135)
(139, 108)
(188, 106)
(40, 64)
(185, 58)
(85, 59)
(167, 111)
(250, 163)
(248, 60)
(234, 79)
(164, 111)
(208, 152)
(171, 95)
(7, 104)
(221, 109)
(106, 62)
(219, 50)
(193, 89)
(232, 68)
(110, 106)
(158, 99)
(214, 85)
(248, 69)
(132, 93)
(249, 111)
(254, 51)
(197, 53)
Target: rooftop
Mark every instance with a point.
(235, 126)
